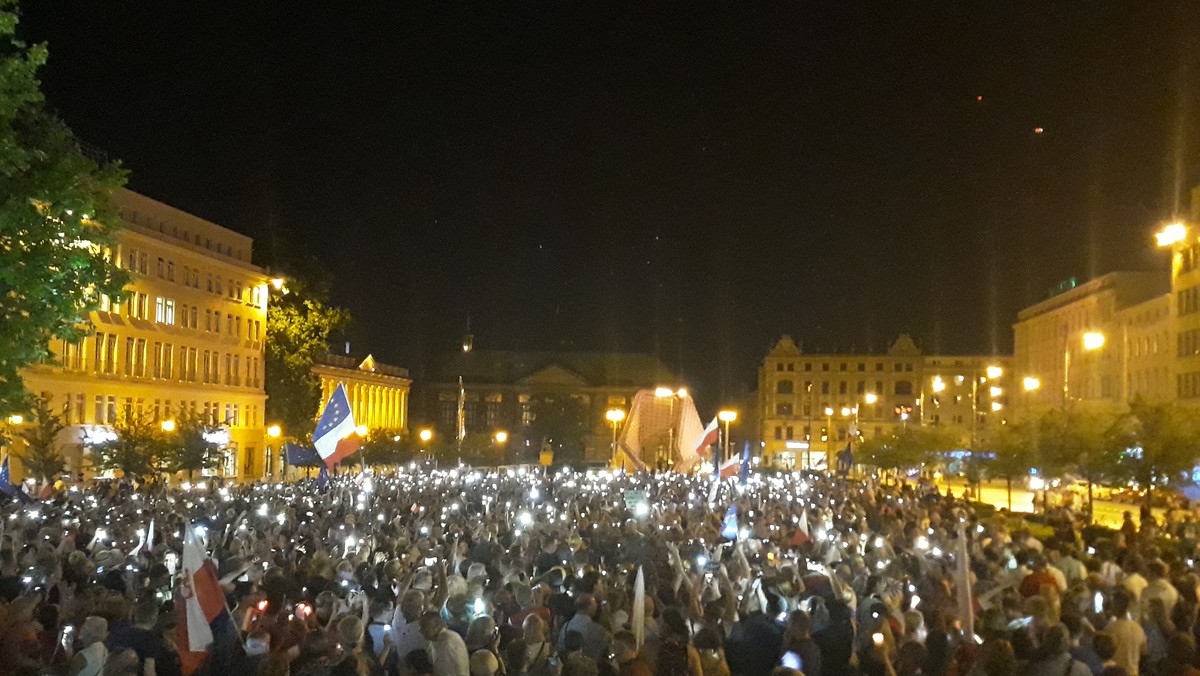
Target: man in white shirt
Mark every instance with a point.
(1072, 568)
(446, 648)
(1129, 635)
(406, 628)
(1159, 587)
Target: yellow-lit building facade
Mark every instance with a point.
(187, 335)
(810, 405)
(1097, 344)
(378, 393)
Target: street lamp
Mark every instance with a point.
(425, 435)
(273, 432)
(16, 419)
(361, 430)
(501, 436)
(994, 372)
(614, 417)
(727, 416)
(870, 397)
(828, 436)
(167, 425)
(670, 395)
(938, 384)
(1091, 340)
(1031, 383)
(1171, 234)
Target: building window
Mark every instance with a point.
(842, 366)
(791, 433)
(129, 356)
(784, 387)
(904, 387)
(842, 387)
(139, 365)
(807, 366)
(228, 371)
(778, 433)
(899, 367)
(824, 387)
(861, 387)
(783, 409)
(791, 367)
(237, 369)
(825, 366)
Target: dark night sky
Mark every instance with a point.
(613, 176)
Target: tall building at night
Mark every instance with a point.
(810, 403)
(187, 335)
(1101, 343)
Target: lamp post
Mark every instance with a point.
(273, 432)
(500, 437)
(614, 417)
(727, 416)
(1090, 340)
(670, 395)
(828, 437)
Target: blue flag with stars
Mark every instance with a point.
(6, 484)
(322, 479)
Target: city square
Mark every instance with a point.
(482, 340)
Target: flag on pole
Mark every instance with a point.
(801, 535)
(322, 479)
(729, 527)
(845, 459)
(638, 620)
(708, 437)
(150, 537)
(744, 476)
(962, 584)
(7, 487)
(202, 603)
(334, 437)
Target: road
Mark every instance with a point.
(1107, 512)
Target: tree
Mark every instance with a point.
(137, 450)
(1011, 452)
(909, 447)
(1155, 444)
(188, 448)
(43, 457)
(57, 223)
(298, 332)
(560, 421)
(1077, 440)
(387, 447)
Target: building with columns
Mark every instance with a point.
(378, 393)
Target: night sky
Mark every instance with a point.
(692, 179)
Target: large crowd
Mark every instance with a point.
(520, 572)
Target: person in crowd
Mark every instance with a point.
(625, 653)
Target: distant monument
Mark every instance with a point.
(661, 432)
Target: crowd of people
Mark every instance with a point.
(519, 572)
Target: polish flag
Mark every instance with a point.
(801, 535)
(202, 602)
(708, 437)
(730, 468)
(334, 437)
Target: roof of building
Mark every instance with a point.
(1130, 288)
(354, 363)
(595, 369)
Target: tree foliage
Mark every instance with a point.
(298, 331)
(1077, 441)
(909, 447)
(560, 421)
(137, 451)
(1154, 444)
(187, 450)
(42, 455)
(57, 224)
(1011, 451)
(388, 447)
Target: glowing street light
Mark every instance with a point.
(425, 435)
(1031, 383)
(996, 406)
(1171, 234)
(870, 397)
(16, 419)
(614, 417)
(727, 416)
(938, 384)
(994, 372)
(274, 431)
(828, 411)
(995, 391)
(361, 430)
(1093, 340)
(167, 425)
(277, 283)
(501, 436)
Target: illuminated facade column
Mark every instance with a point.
(403, 412)
(393, 419)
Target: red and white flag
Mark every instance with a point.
(730, 467)
(708, 437)
(202, 602)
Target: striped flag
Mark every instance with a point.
(334, 437)
(202, 602)
(962, 584)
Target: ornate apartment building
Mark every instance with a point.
(187, 335)
(811, 405)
